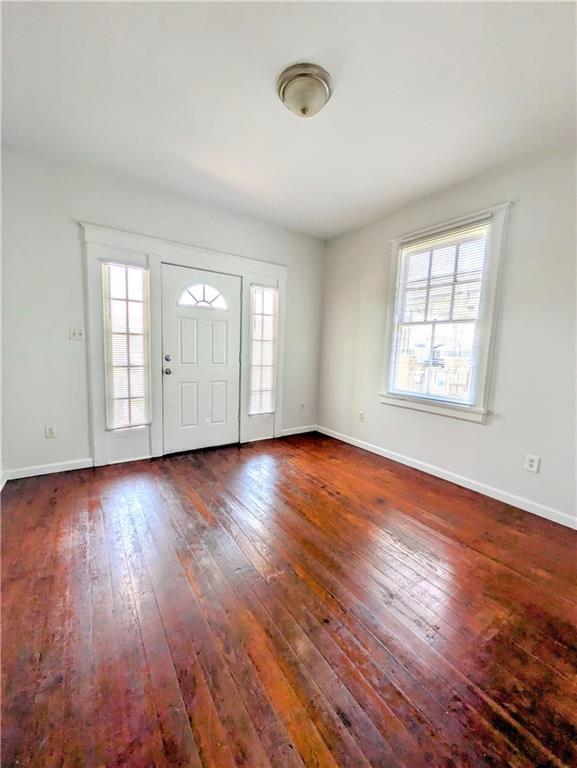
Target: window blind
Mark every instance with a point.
(126, 341)
(436, 327)
(264, 304)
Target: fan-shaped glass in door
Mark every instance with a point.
(202, 296)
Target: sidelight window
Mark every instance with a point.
(126, 341)
(264, 313)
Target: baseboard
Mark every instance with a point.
(46, 469)
(299, 430)
(466, 482)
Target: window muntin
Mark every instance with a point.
(264, 304)
(202, 296)
(436, 325)
(126, 366)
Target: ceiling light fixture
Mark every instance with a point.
(304, 88)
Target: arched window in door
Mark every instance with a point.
(202, 296)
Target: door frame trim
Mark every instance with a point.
(102, 243)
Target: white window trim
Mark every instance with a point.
(479, 410)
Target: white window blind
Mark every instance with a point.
(436, 325)
(264, 302)
(126, 341)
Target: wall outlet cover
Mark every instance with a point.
(532, 463)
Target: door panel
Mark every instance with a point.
(188, 341)
(201, 336)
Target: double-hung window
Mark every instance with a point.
(441, 316)
(126, 341)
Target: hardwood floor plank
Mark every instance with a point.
(290, 603)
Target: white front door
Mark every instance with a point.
(201, 358)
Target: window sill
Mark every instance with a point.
(464, 412)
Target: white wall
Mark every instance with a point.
(534, 408)
(45, 373)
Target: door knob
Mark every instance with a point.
(168, 358)
(168, 371)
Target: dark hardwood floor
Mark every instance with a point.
(286, 603)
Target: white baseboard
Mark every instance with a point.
(46, 469)
(299, 430)
(466, 482)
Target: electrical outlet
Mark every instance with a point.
(302, 406)
(49, 432)
(532, 463)
(361, 415)
(76, 334)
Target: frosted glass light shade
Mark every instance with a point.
(304, 89)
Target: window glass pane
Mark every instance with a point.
(117, 276)
(138, 411)
(136, 317)
(466, 302)
(135, 284)
(443, 263)
(118, 316)
(415, 302)
(256, 353)
(418, 267)
(197, 292)
(119, 415)
(258, 300)
(257, 327)
(136, 350)
(267, 353)
(452, 361)
(267, 327)
(439, 307)
(412, 358)
(268, 378)
(186, 299)
(471, 260)
(210, 293)
(120, 382)
(269, 302)
(137, 382)
(256, 379)
(118, 350)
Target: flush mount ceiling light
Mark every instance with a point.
(304, 88)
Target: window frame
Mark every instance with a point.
(478, 410)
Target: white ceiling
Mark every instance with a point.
(182, 96)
